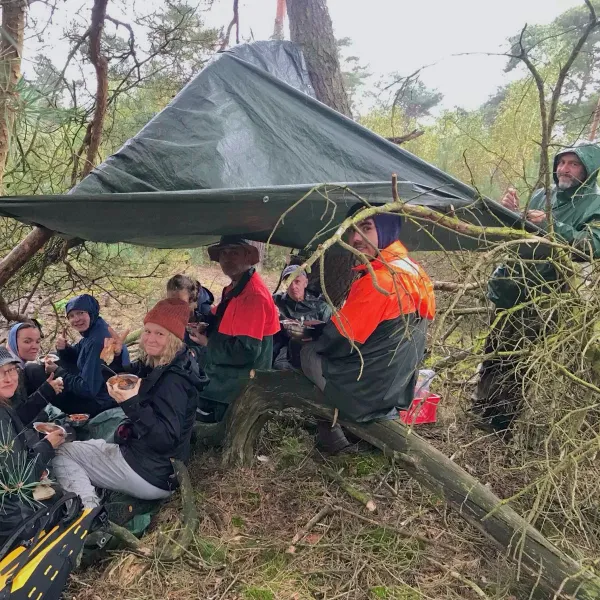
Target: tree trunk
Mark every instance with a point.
(11, 47)
(13, 23)
(311, 28)
(270, 391)
(279, 18)
(261, 247)
(101, 65)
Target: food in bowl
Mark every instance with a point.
(47, 428)
(78, 419)
(123, 382)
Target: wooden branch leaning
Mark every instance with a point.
(22, 252)
(415, 133)
(167, 548)
(271, 391)
(175, 547)
(9, 314)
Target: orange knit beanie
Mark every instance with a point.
(172, 314)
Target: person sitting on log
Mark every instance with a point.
(35, 389)
(367, 357)
(80, 365)
(160, 404)
(239, 337)
(575, 210)
(296, 304)
(23, 458)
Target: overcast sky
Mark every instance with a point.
(388, 35)
(403, 35)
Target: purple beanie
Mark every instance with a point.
(387, 225)
(388, 229)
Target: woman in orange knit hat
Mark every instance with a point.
(160, 408)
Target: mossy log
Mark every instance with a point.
(174, 548)
(270, 391)
(169, 547)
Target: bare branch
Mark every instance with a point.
(413, 135)
(9, 314)
(235, 21)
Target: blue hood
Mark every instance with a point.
(90, 305)
(89, 381)
(12, 342)
(205, 302)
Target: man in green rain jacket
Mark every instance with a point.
(575, 204)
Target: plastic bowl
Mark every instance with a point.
(46, 428)
(123, 382)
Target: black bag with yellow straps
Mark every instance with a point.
(38, 568)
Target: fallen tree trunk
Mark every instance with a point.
(271, 391)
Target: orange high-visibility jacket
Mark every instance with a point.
(387, 321)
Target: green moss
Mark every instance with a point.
(274, 562)
(292, 451)
(252, 498)
(237, 521)
(383, 541)
(381, 592)
(363, 465)
(212, 553)
(256, 593)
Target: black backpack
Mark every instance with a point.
(38, 568)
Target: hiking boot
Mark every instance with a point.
(331, 440)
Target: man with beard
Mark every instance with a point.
(366, 361)
(575, 202)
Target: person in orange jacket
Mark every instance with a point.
(367, 358)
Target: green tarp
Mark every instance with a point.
(235, 149)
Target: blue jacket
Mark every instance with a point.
(88, 380)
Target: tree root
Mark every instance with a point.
(174, 548)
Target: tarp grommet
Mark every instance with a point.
(265, 199)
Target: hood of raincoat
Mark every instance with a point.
(12, 342)
(90, 305)
(589, 154)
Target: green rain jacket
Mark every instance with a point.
(576, 218)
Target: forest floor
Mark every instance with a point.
(412, 547)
